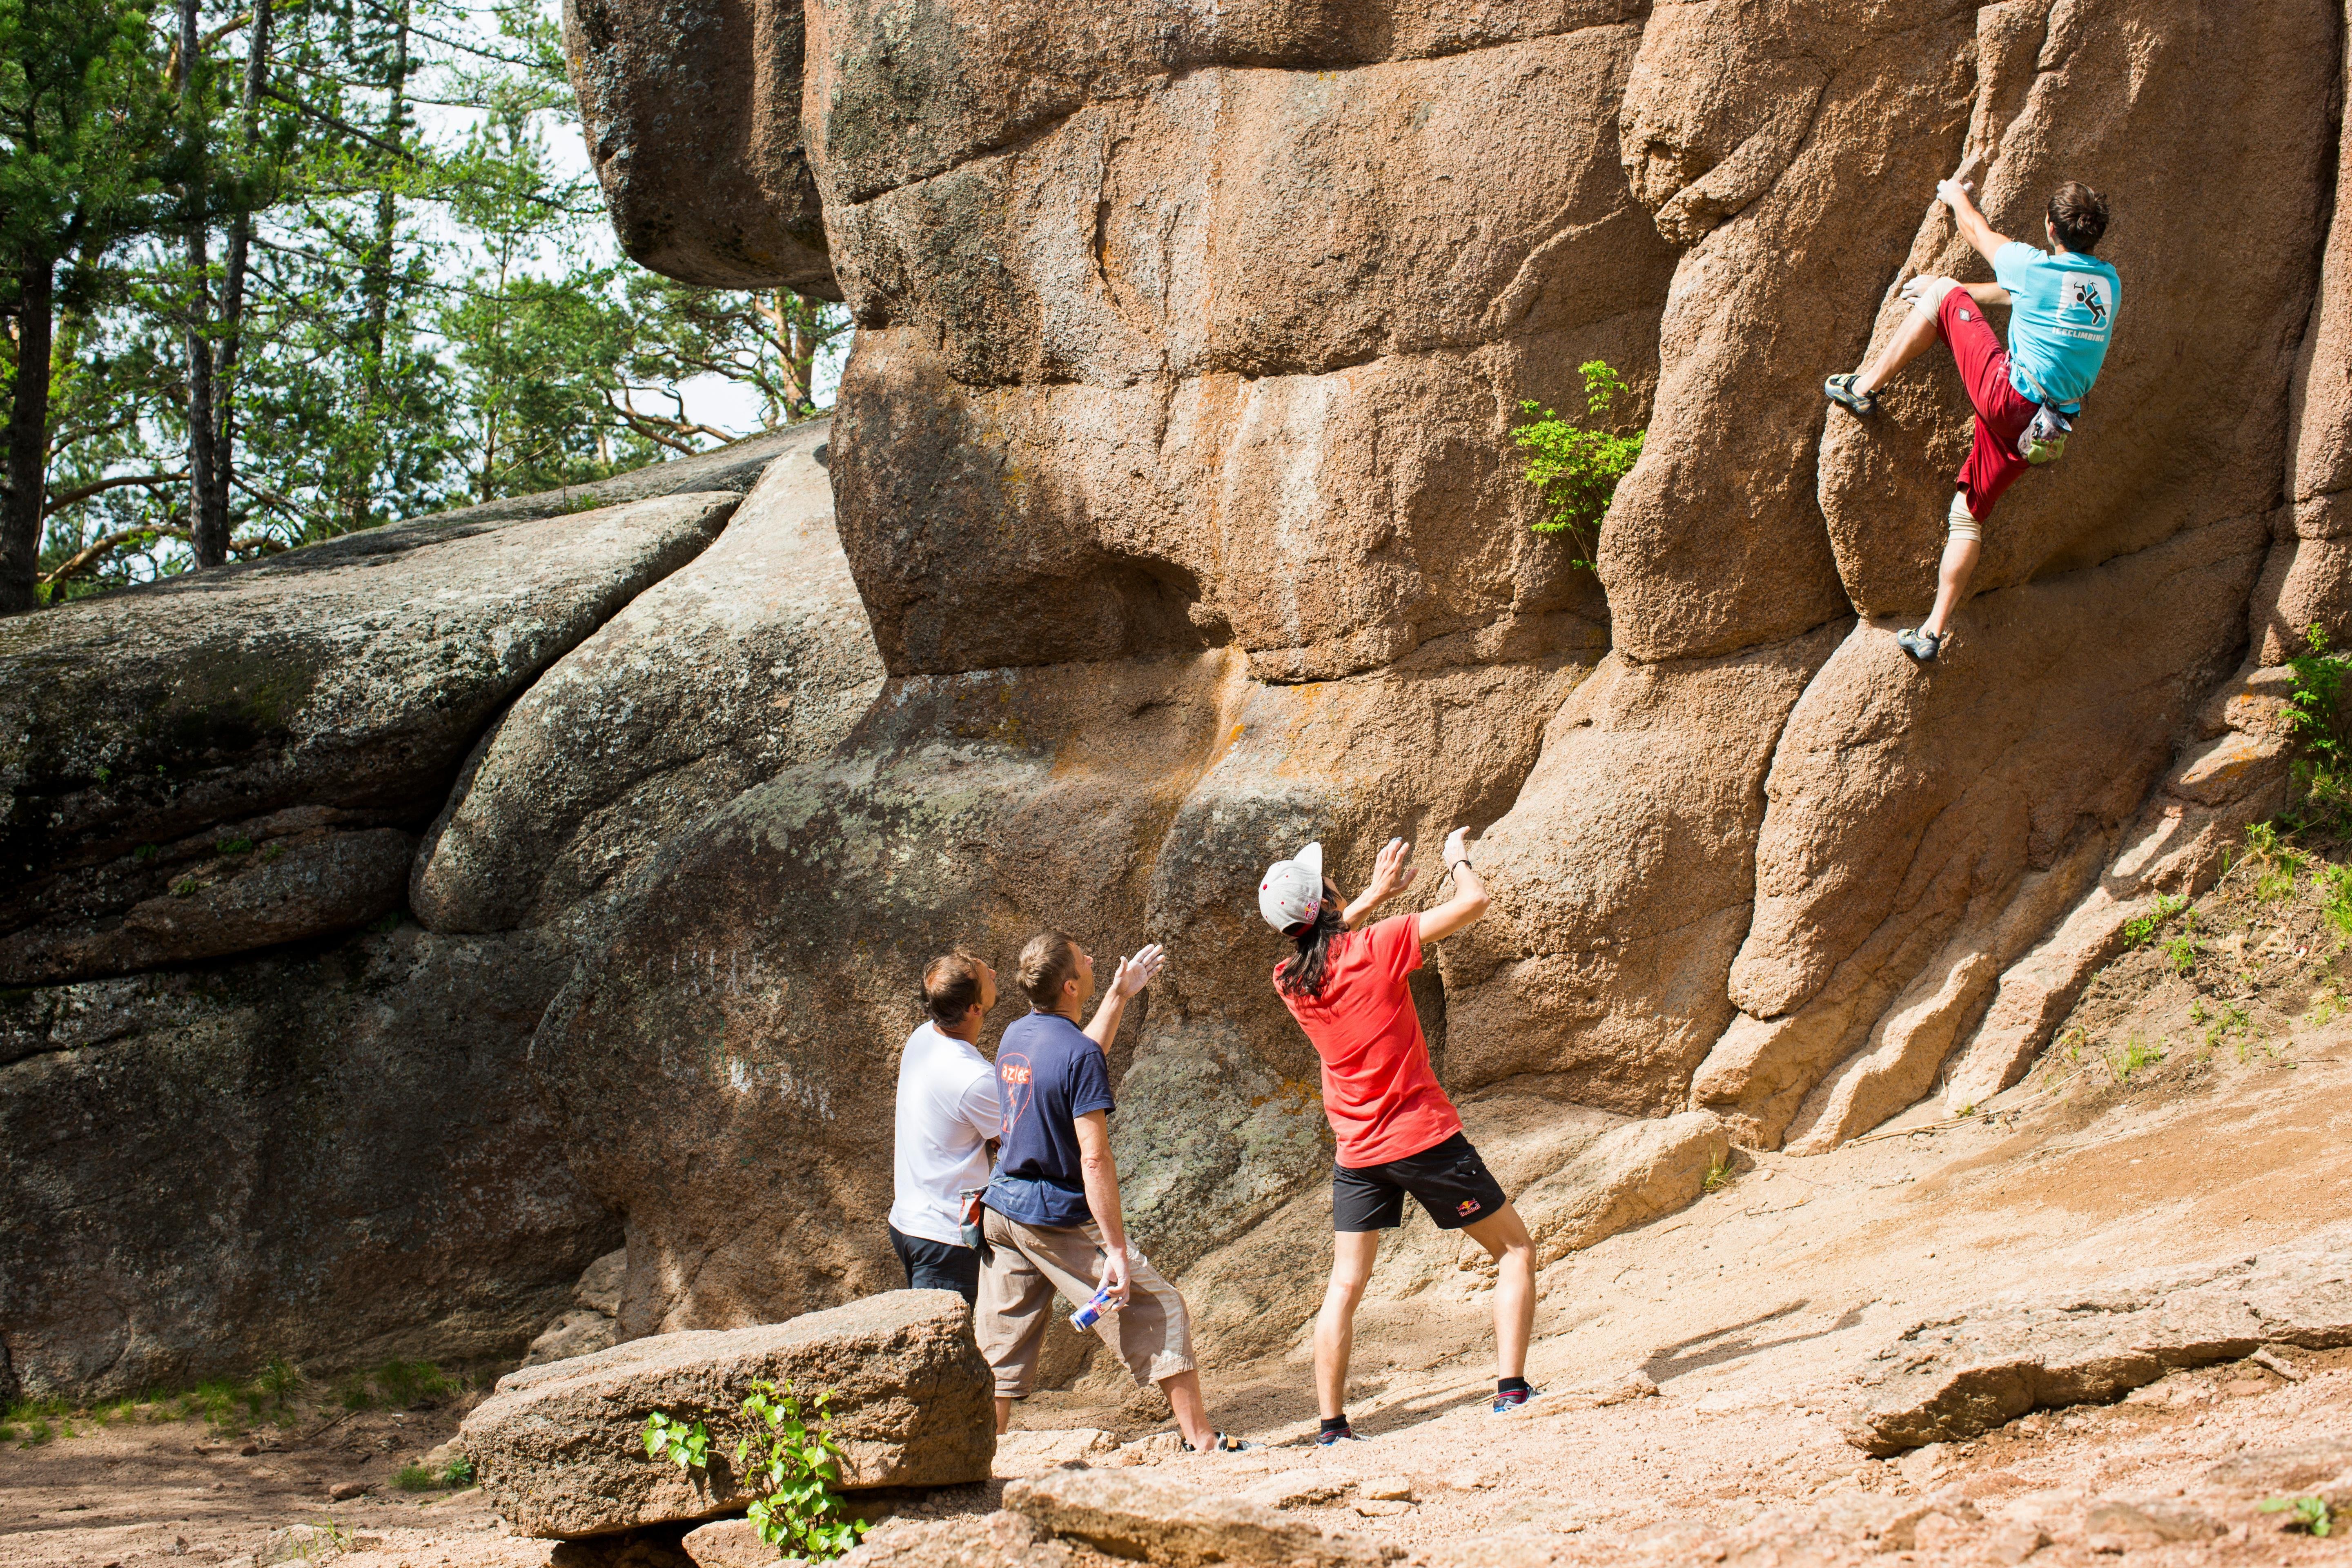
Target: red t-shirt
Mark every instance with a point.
(1377, 1085)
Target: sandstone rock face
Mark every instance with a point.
(1145, 1518)
(308, 880)
(335, 1157)
(1256, 334)
(735, 467)
(692, 119)
(1622, 878)
(728, 1543)
(1949, 1381)
(1787, 148)
(587, 1326)
(561, 1448)
(1190, 345)
(1178, 523)
(350, 678)
(720, 1018)
(2309, 580)
(754, 657)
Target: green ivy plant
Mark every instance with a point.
(683, 1444)
(786, 1458)
(791, 1464)
(2311, 706)
(2310, 1513)
(1576, 470)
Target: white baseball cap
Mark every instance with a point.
(1290, 894)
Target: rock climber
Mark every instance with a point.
(1398, 1134)
(1053, 1222)
(947, 1117)
(2062, 315)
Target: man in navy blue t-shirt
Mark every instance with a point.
(1053, 1226)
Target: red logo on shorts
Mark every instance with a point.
(1469, 1205)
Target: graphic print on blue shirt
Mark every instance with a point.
(2062, 317)
(1048, 1075)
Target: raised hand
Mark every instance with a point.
(1457, 846)
(1135, 972)
(1955, 193)
(1391, 874)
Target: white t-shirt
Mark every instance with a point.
(947, 1113)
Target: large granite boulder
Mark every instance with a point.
(335, 1156)
(1963, 1376)
(561, 1448)
(736, 466)
(754, 657)
(149, 739)
(723, 1019)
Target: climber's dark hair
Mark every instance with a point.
(2079, 216)
(1303, 976)
(950, 987)
(1049, 963)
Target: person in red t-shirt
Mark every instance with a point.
(1398, 1134)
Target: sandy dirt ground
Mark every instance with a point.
(1751, 1311)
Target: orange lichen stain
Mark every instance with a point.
(1299, 1094)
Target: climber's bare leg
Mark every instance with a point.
(1952, 576)
(1504, 1237)
(1353, 1253)
(1915, 337)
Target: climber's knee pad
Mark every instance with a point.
(1960, 522)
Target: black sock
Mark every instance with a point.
(1335, 1423)
(1511, 1385)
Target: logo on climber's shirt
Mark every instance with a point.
(1013, 1072)
(2086, 301)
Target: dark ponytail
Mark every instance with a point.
(1303, 976)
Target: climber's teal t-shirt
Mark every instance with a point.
(2062, 313)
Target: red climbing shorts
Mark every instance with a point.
(2002, 413)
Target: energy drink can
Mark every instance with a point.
(1094, 1312)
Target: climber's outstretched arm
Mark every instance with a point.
(1958, 196)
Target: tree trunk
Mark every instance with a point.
(376, 276)
(208, 530)
(29, 443)
(240, 238)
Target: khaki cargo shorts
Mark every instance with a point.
(1029, 1265)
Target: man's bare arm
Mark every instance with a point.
(1955, 195)
(1131, 976)
(1100, 1174)
(1987, 293)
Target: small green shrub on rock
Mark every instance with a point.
(1575, 469)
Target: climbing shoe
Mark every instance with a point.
(1515, 1399)
(1921, 645)
(1838, 389)
(1335, 1437)
(1221, 1443)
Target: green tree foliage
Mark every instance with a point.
(85, 145)
(319, 265)
(1576, 468)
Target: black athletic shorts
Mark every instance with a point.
(936, 1266)
(1448, 1180)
